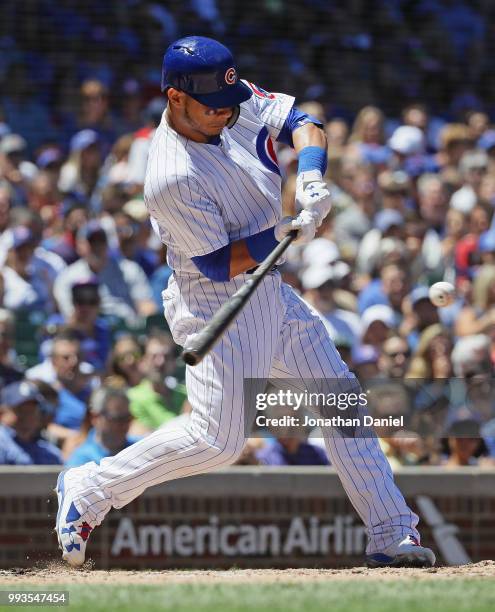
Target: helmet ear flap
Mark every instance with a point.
(234, 117)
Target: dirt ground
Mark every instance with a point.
(59, 574)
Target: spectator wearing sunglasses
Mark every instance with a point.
(110, 419)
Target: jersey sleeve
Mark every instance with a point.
(271, 108)
(188, 220)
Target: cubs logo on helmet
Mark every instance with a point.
(230, 76)
(266, 151)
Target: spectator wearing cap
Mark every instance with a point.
(86, 324)
(74, 216)
(408, 147)
(124, 289)
(364, 362)
(81, 171)
(14, 168)
(24, 288)
(473, 167)
(21, 420)
(45, 264)
(110, 420)
(377, 323)
(419, 313)
(9, 373)
(319, 283)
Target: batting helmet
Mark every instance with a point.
(204, 69)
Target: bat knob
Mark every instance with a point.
(190, 356)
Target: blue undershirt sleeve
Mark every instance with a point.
(215, 265)
(294, 120)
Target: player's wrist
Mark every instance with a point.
(311, 159)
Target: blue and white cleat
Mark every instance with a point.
(72, 533)
(408, 553)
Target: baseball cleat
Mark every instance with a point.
(408, 553)
(72, 533)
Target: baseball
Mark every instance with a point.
(442, 294)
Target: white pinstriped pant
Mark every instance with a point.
(277, 335)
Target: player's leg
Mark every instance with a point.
(214, 436)
(306, 352)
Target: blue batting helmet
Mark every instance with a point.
(205, 70)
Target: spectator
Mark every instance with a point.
(72, 379)
(431, 359)
(9, 373)
(479, 317)
(124, 362)
(291, 451)
(395, 356)
(124, 289)
(24, 289)
(21, 420)
(80, 172)
(14, 169)
(319, 284)
(110, 420)
(464, 443)
(158, 397)
(86, 324)
(95, 112)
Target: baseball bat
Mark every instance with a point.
(199, 346)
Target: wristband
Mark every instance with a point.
(312, 158)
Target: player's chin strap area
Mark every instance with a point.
(235, 116)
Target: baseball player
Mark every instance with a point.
(213, 191)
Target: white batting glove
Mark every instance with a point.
(305, 223)
(312, 194)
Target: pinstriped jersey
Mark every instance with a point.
(202, 196)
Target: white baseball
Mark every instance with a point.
(442, 294)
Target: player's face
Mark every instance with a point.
(208, 121)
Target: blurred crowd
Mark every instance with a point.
(87, 365)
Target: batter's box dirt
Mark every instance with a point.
(60, 574)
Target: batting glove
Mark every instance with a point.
(312, 194)
(305, 223)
